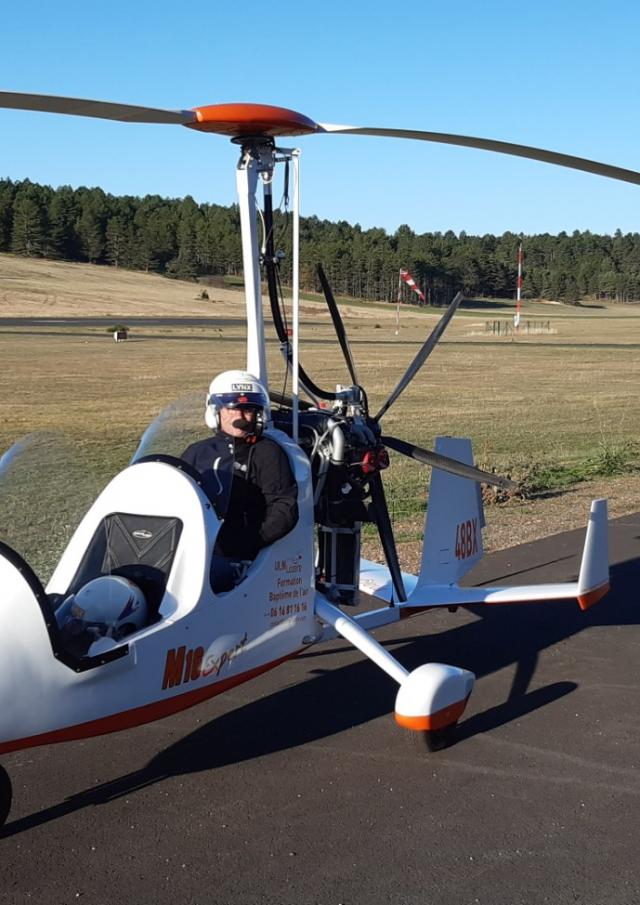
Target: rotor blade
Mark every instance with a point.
(47, 103)
(423, 354)
(338, 324)
(383, 522)
(453, 466)
(489, 144)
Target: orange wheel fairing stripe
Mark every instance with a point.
(138, 715)
(439, 720)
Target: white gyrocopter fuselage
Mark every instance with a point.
(155, 525)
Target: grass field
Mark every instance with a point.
(559, 409)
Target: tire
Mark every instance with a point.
(433, 740)
(6, 794)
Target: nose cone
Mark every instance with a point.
(237, 120)
(28, 669)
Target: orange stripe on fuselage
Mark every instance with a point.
(127, 719)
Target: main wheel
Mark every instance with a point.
(6, 794)
(434, 739)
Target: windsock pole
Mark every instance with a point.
(516, 317)
(398, 302)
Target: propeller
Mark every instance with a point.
(385, 530)
(445, 463)
(378, 507)
(338, 324)
(425, 456)
(426, 350)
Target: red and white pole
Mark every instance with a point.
(516, 318)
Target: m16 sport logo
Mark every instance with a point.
(184, 665)
(467, 538)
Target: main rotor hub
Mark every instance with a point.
(262, 149)
(239, 120)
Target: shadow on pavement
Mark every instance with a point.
(332, 700)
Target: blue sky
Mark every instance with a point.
(560, 75)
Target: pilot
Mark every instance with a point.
(262, 506)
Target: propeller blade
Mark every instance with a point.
(423, 354)
(488, 144)
(338, 325)
(47, 103)
(435, 460)
(383, 522)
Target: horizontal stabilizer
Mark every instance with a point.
(591, 586)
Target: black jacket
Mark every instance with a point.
(263, 504)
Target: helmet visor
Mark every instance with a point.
(237, 400)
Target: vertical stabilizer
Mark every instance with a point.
(593, 582)
(454, 520)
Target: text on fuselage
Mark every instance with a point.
(187, 665)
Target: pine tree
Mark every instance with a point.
(27, 235)
(63, 240)
(116, 241)
(7, 194)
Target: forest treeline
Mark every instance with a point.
(180, 238)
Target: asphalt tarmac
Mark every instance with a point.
(298, 787)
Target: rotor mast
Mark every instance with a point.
(256, 162)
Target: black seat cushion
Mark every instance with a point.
(138, 547)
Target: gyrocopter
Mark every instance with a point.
(153, 529)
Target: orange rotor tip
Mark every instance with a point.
(238, 120)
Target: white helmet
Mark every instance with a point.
(106, 607)
(232, 389)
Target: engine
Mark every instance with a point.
(343, 445)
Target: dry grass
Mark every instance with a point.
(553, 398)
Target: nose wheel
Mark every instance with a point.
(6, 794)
(434, 740)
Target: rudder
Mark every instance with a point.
(454, 519)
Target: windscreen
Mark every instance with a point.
(48, 480)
